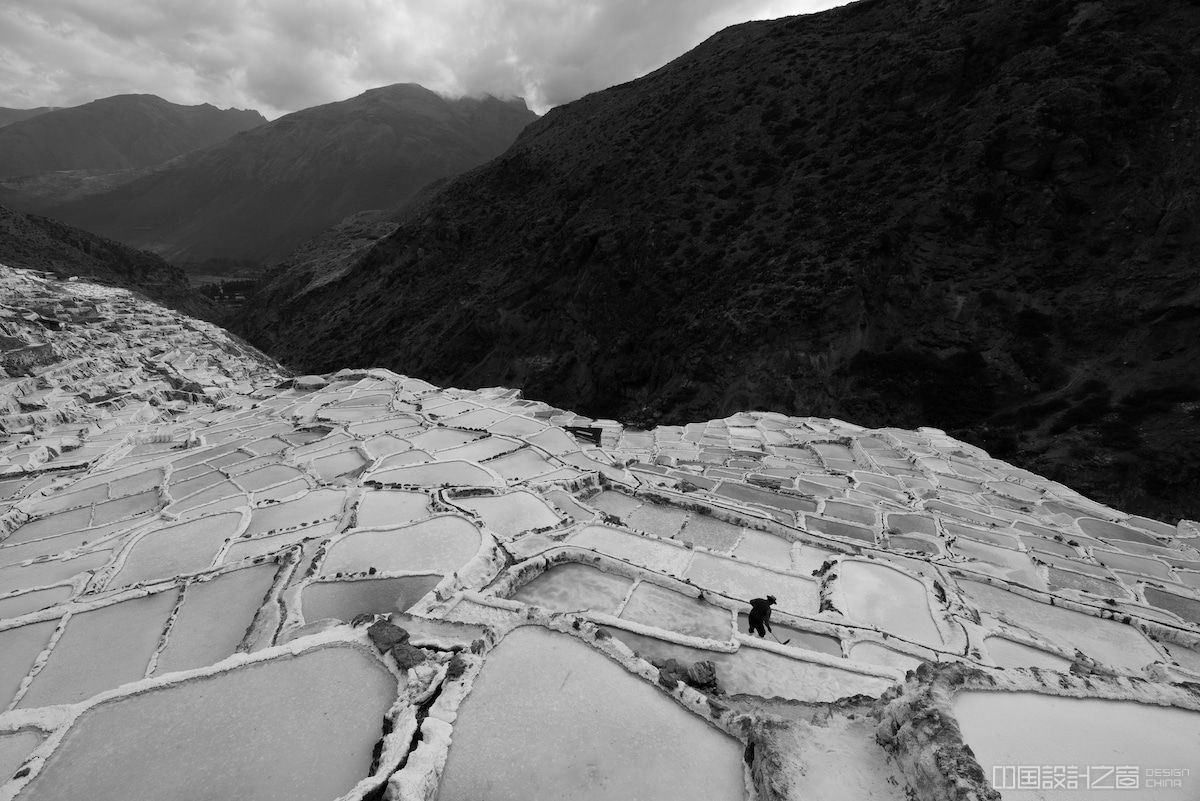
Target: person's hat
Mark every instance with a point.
(770, 599)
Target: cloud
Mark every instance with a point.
(283, 55)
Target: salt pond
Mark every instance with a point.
(1110, 642)
(875, 654)
(822, 643)
(686, 614)
(511, 514)
(17, 605)
(1006, 730)
(441, 544)
(300, 728)
(14, 747)
(887, 599)
(343, 600)
(596, 731)
(435, 474)
(391, 507)
(571, 587)
(19, 649)
(743, 582)
(1011, 654)
(174, 550)
(125, 634)
(214, 618)
(55, 571)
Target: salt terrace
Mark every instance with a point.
(214, 575)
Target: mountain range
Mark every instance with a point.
(969, 215)
(11, 115)
(258, 195)
(115, 133)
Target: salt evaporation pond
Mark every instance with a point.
(822, 643)
(249, 548)
(55, 571)
(1110, 642)
(520, 465)
(435, 474)
(596, 732)
(441, 544)
(391, 507)
(888, 599)
(315, 506)
(743, 581)
(511, 514)
(480, 449)
(875, 654)
(214, 618)
(101, 649)
(1010, 654)
(708, 532)
(14, 747)
(686, 614)
(766, 549)
(343, 600)
(661, 521)
(176, 550)
(301, 728)
(17, 605)
(51, 525)
(571, 587)
(1006, 730)
(642, 551)
(19, 648)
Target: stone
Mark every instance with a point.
(455, 667)
(671, 672)
(407, 656)
(703, 676)
(386, 635)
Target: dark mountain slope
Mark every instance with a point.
(260, 194)
(10, 115)
(115, 133)
(38, 243)
(974, 215)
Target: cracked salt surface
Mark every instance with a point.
(171, 501)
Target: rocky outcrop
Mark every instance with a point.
(918, 731)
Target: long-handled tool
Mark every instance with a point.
(781, 642)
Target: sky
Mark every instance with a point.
(279, 56)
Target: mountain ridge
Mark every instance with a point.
(319, 165)
(943, 214)
(32, 242)
(11, 115)
(115, 133)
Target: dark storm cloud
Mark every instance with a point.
(282, 55)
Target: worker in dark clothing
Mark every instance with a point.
(760, 615)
